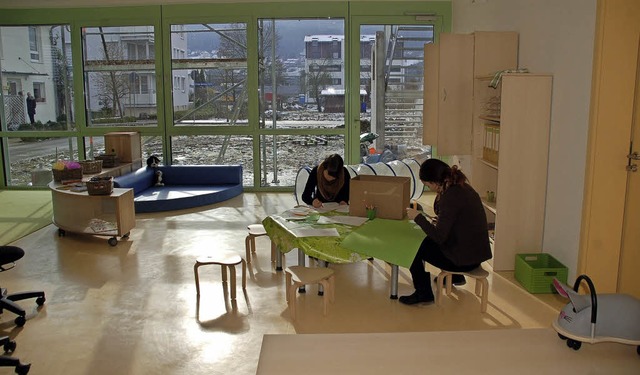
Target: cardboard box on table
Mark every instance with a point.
(388, 194)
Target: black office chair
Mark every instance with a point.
(5, 361)
(8, 257)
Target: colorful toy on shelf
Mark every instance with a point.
(66, 171)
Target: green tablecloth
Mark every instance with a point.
(394, 241)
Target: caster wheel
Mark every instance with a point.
(561, 337)
(61, 232)
(40, 301)
(573, 344)
(20, 321)
(126, 235)
(10, 346)
(23, 369)
(113, 241)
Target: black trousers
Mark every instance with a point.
(431, 253)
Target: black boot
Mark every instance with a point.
(418, 297)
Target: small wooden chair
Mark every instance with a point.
(298, 276)
(226, 259)
(482, 285)
(256, 230)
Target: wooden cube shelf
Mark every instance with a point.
(126, 145)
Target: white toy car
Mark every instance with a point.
(597, 318)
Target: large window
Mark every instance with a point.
(391, 84)
(37, 82)
(209, 69)
(119, 68)
(300, 88)
(272, 88)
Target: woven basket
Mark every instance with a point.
(91, 166)
(108, 160)
(100, 186)
(67, 174)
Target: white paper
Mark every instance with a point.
(315, 232)
(355, 221)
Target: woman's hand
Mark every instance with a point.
(316, 203)
(412, 213)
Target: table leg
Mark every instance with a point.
(301, 263)
(278, 259)
(321, 263)
(394, 281)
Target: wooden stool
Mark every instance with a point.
(226, 259)
(298, 276)
(257, 230)
(482, 285)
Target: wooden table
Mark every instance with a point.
(393, 241)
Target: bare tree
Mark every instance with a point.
(113, 86)
(317, 79)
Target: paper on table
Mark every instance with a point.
(328, 207)
(303, 229)
(315, 232)
(346, 220)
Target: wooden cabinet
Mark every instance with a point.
(448, 93)
(519, 177)
(103, 215)
(449, 68)
(126, 145)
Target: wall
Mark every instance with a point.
(556, 36)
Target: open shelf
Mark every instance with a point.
(491, 206)
(488, 163)
(495, 119)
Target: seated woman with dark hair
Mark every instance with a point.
(328, 182)
(458, 240)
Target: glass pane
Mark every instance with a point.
(209, 73)
(302, 75)
(391, 107)
(120, 84)
(286, 154)
(215, 149)
(31, 159)
(36, 78)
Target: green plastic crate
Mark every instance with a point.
(536, 272)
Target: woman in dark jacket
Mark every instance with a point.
(328, 182)
(458, 240)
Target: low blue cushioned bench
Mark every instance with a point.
(185, 186)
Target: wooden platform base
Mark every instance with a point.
(500, 351)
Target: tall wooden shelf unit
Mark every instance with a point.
(519, 178)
